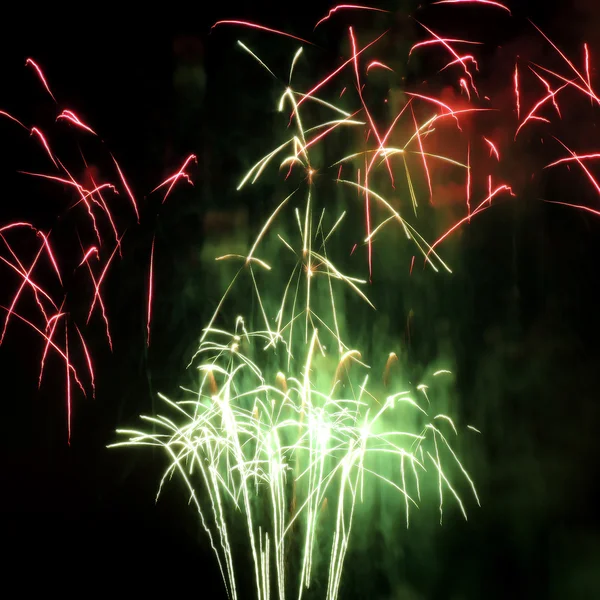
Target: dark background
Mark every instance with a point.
(79, 519)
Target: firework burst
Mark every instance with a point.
(287, 427)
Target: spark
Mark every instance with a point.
(88, 359)
(292, 453)
(335, 9)
(569, 63)
(9, 116)
(579, 160)
(98, 297)
(468, 191)
(26, 276)
(172, 180)
(517, 92)
(493, 148)
(261, 28)
(36, 131)
(479, 2)
(329, 77)
(460, 59)
(378, 64)
(38, 70)
(532, 116)
(53, 322)
(423, 155)
(92, 250)
(52, 344)
(68, 375)
(69, 115)
(300, 446)
(150, 293)
(587, 68)
(127, 189)
(441, 41)
(480, 208)
(593, 211)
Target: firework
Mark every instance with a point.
(93, 231)
(287, 456)
(288, 461)
(287, 429)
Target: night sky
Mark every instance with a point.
(520, 314)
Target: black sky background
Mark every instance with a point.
(81, 520)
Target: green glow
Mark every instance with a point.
(282, 439)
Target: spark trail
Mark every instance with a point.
(48, 277)
(288, 425)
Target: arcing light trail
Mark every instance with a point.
(288, 428)
(90, 210)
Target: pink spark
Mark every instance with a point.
(9, 116)
(348, 7)
(92, 250)
(98, 296)
(532, 116)
(179, 175)
(460, 59)
(451, 111)
(440, 40)
(571, 82)
(150, 289)
(469, 181)
(579, 160)
(517, 92)
(57, 348)
(464, 86)
(50, 254)
(68, 374)
(127, 189)
(548, 89)
(261, 28)
(70, 116)
(422, 155)
(493, 149)
(53, 321)
(340, 68)
(62, 180)
(89, 362)
(578, 206)
(376, 63)
(97, 189)
(36, 131)
(84, 198)
(573, 68)
(587, 66)
(26, 276)
(484, 2)
(31, 62)
(480, 208)
(374, 129)
(17, 224)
